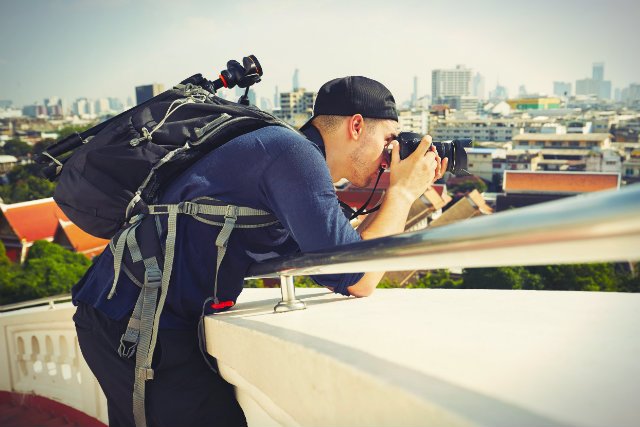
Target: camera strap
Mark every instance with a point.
(362, 210)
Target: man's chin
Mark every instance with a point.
(365, 182)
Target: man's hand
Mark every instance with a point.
(412, 176)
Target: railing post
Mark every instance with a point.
(289, 301)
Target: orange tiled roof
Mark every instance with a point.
(82, 242)
(34, 220)
(355, 197)
(559, 182)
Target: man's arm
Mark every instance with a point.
(410, 178)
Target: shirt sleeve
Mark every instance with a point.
(297, 187)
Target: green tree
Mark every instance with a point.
(578, 277)
(16, 147)
(69, 130)
(500, 278)
(25, 183)
(305, 282)
(48, 270)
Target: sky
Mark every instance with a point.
(100, 48)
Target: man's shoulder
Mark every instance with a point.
(278, 140)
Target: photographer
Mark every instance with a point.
(272, 169)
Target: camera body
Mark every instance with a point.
(453, 150)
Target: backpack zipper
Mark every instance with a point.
(201, 131)
(219, 128)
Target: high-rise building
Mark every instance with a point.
(54, 106)
(146, 92)
(101, 106)
(296, 107)
(598, 71)
(79, 106)
(265, 104)
(276, 99)
(35, 110)
(499, 93)
(617, 94)
(296, 80)
(562, 88)
(631, 94)
(414, 120)
(414, 94)
(596, 85)
(115, 104)
(478, 86)
(446, 83)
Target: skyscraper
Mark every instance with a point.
(296, 80)
(562, 88)
(596, 85)
(598, 71)
(276, 99)
(146, 92)
(478, 86)
(450, 83)
(414, 94)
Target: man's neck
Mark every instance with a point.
(327, 145)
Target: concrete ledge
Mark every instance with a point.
(433, 357)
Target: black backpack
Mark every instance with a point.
(119, 167)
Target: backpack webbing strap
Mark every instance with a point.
(142, 330)
(230, 218)
(152, 281)
(119, 255)
(129, 340)
(150, 318)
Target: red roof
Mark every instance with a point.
(559, 182)
(355, 197)
(82, 242)
(34, 220)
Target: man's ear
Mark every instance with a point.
(355, 126)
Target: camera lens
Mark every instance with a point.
(454, 150)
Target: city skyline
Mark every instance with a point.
(530, 45)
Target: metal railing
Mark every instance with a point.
(595, 227)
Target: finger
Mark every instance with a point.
(395, 153)
(443, 168)
(425, 144)
(430, 155)
(436, 175)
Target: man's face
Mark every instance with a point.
(369, 156)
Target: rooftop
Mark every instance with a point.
(562, 137)
(34, 220)
(559, 182)
(437, 357)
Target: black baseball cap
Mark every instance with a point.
(351, 95)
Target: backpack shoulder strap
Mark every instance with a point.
(142, 330)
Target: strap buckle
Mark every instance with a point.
(152, 278)
(144, 373)
(232, 212)
(188, 208)
(126, 348)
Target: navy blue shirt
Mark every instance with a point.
(272, 169)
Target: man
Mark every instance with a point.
(273, 170)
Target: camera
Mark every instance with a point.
(453, 150)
